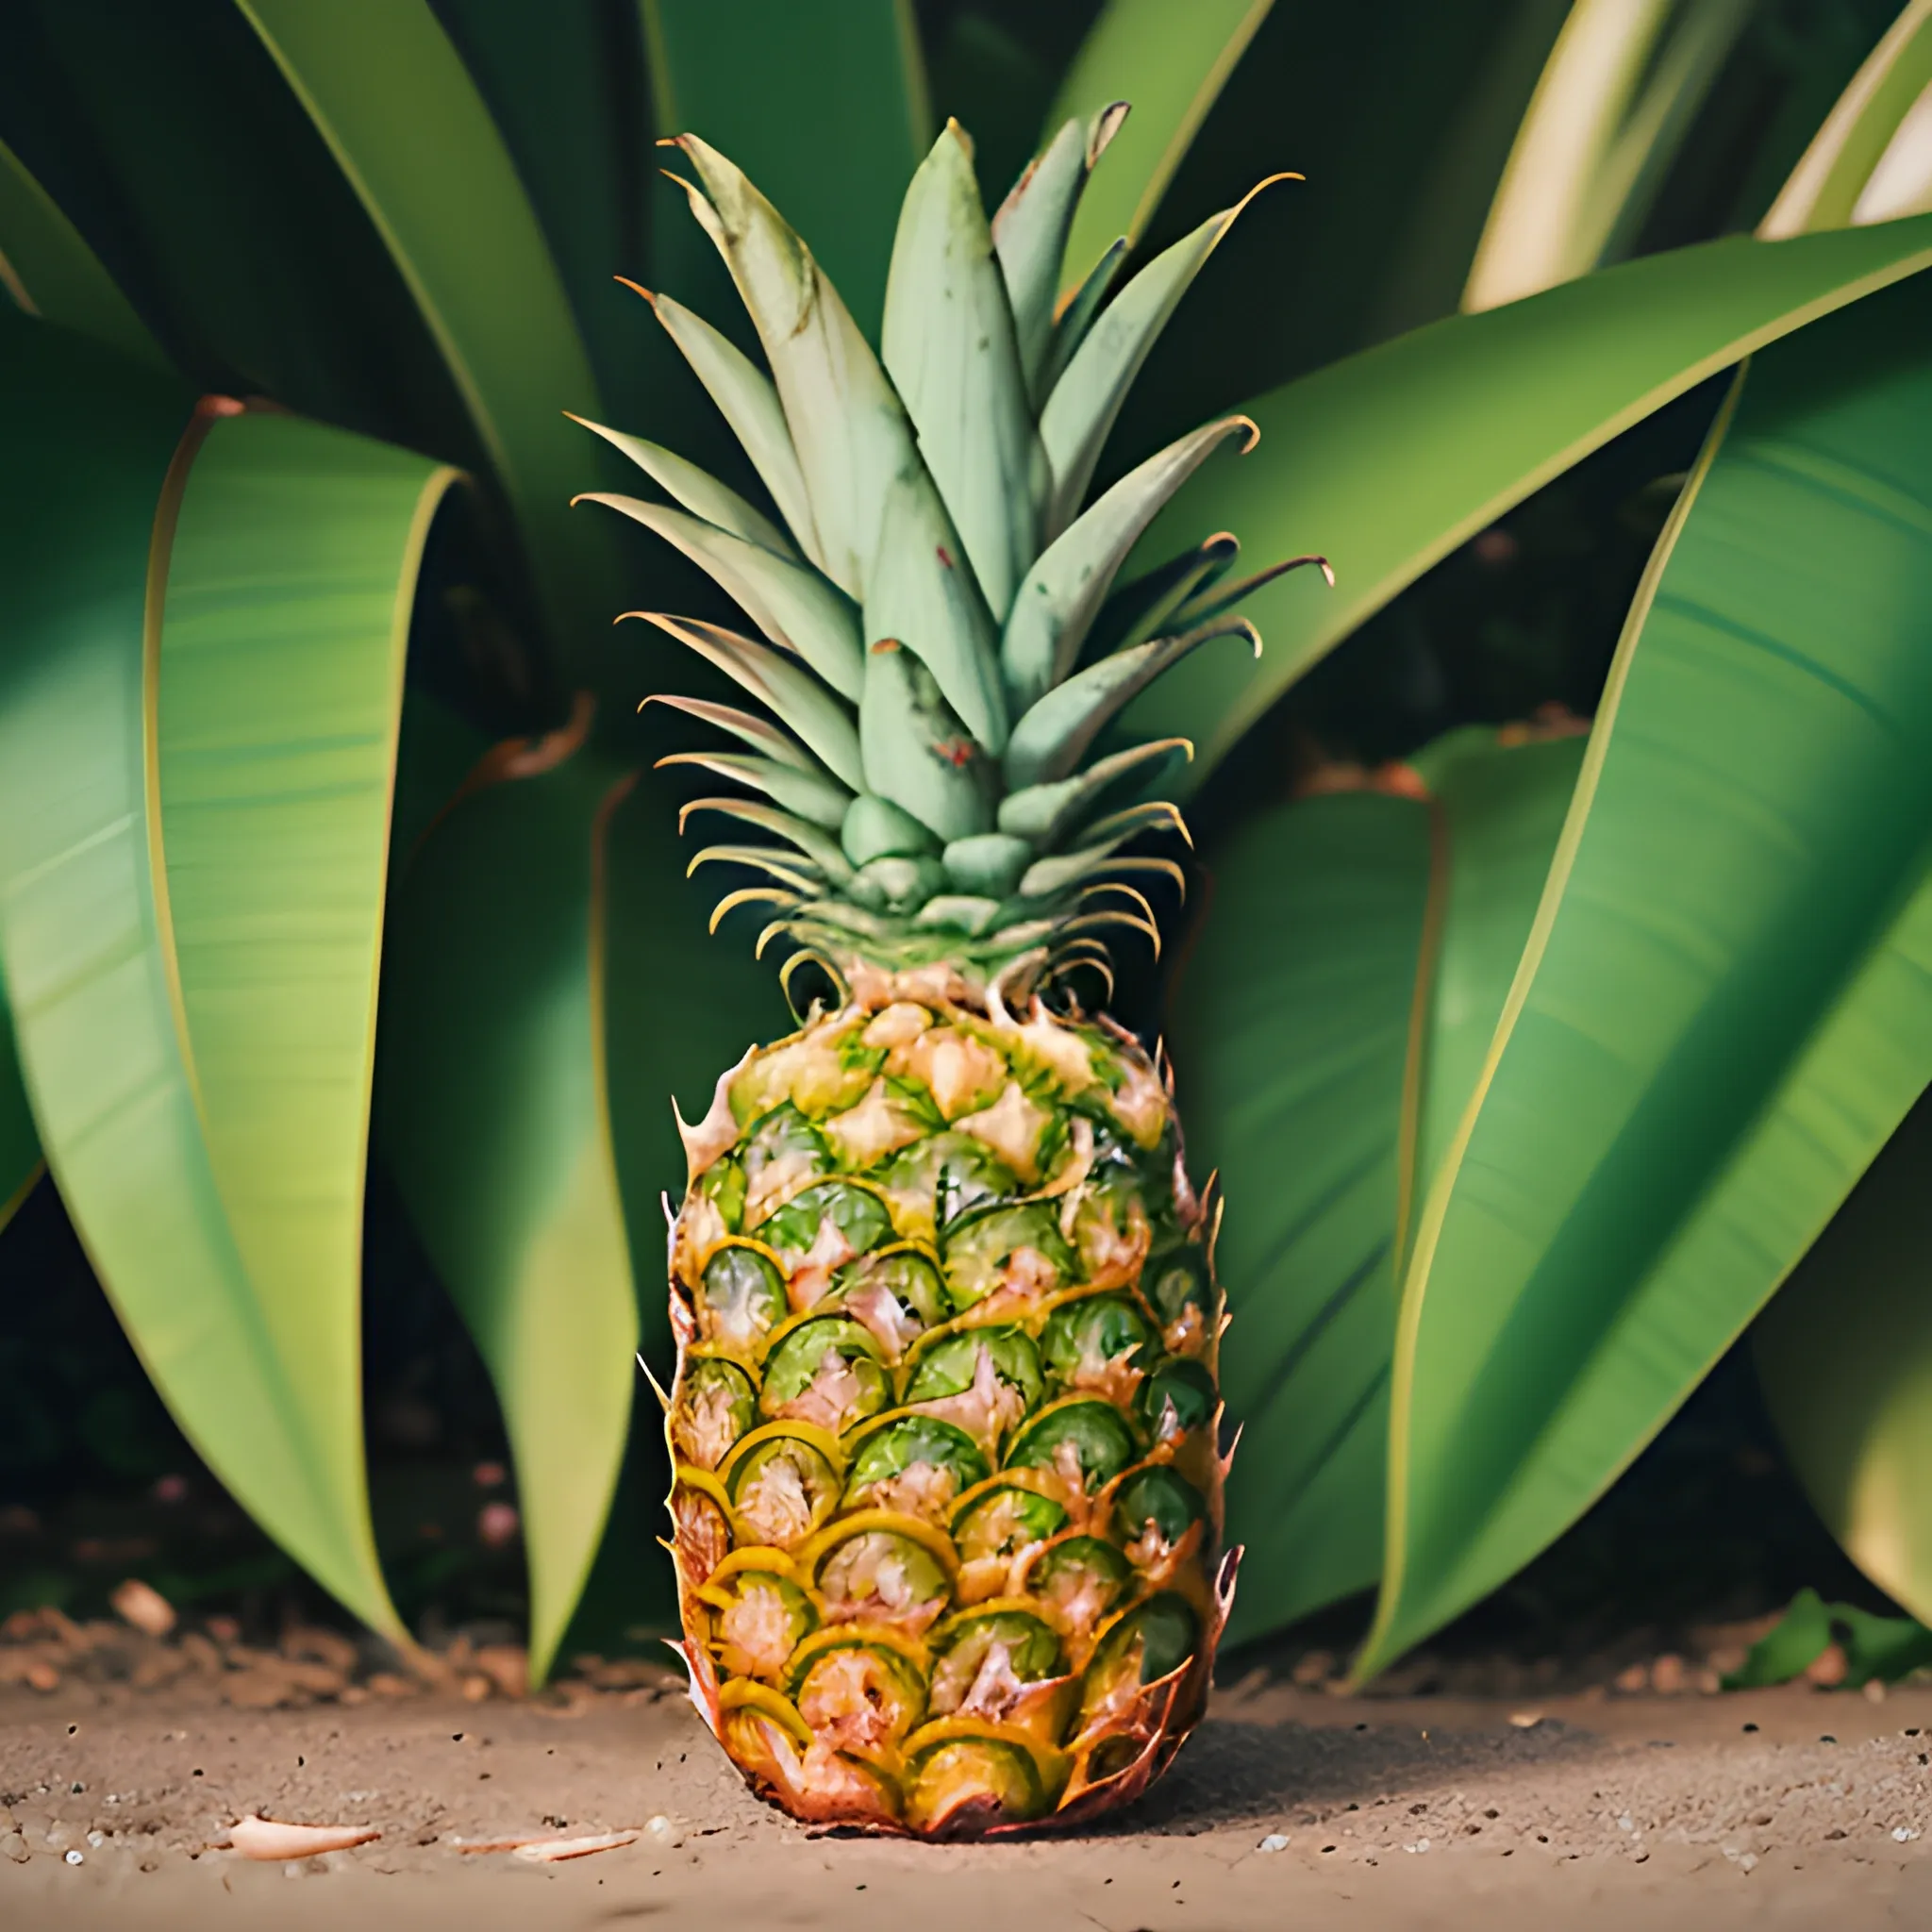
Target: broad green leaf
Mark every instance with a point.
(794, 606)
(1066, 587)
(949, 345)
(1868, 161)
(49, 270)
(1722, 1013)
(1844, 1354)
(821, 102)
(1169, 63)
(1385, 462)
(495, 1116)
(391, 97)
(1355, 950)
(140, 992)
(20, 1147)
(1616, 99)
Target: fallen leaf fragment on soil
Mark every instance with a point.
(547, 1851)
(268, 1837)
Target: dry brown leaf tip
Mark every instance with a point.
(269, 1837)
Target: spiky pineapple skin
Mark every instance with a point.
(947, 1491)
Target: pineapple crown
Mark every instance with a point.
(944, 641)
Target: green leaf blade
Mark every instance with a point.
(1387, 461)
(1711, 1036)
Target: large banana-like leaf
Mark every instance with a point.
(1616, 99)
(1170, 64)
(821, 102)
(49, 270)
(493, 1114)
(207, 611)
(390, 95)
(1389, 460)
(1722, 1011)
(550, 987)
(20, 1147)
(1328, 1028)
(1844, 1353)
(1868, 162)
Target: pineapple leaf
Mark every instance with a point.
(917, 752)
(1084, 402)
(847, 426)
(698, 490)
(800, 873)
(919, 590)
(757, 732)
(749, 404)
(1051, 738)
(794, 606)
(1069, 331)
(822, 723)
(1146, 604)
(1066, 589)
(821, 800)
(1046, 814)
(1031, 228)
(949, 351)
(809, 839)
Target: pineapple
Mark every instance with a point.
(947, 1494)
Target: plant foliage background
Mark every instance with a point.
(1559, 961)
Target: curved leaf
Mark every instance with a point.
(1169, 63)
(1385, 462)
(145, 980)
(49, 270)
(1356, 948)
(1615, 100)
(1844, 1353)
(1863, 165)
(1725, 1005)
(390, 95)
(493, 1115)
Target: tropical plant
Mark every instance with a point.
(1532, 1066)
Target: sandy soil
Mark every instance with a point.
(1792, 1807)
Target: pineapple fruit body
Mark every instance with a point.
(948, 1492)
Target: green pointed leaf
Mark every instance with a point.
(748, 401)
(822, 723)
(1064, 591)
(1387, 461)
(495, 1116)
(767, 738)
(824, 101)
(1722, 1014)
(794, 606)
(1030, 233)
(950, 349)
(696, 490)
(809, 839)
(49, 270)
(920, 593)
(810, 795)
(917, 754)
(1051, 738)
(847, 426)
(1861, 166)
(191, 986)
(1048, 813)
(1088, 396)
(1356, 947)
(1171, 63)
(1843, 1354)
(391, 97)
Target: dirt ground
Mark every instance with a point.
(1794, 1808)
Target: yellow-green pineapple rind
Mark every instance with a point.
(948, 1493)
